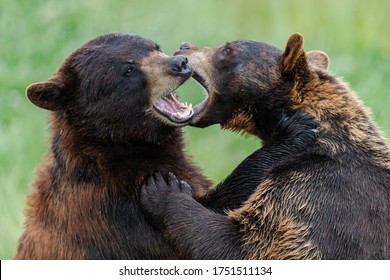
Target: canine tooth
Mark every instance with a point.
(190, 107)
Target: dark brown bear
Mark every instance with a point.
(330, 201)
(115, 120)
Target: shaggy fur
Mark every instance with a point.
(105, 141)
(330, 201)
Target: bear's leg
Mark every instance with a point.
(205, 234)
(192, 228)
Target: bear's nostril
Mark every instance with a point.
(184, 64)
(185, 46)
(179, 64)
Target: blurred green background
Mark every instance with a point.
(37, 35)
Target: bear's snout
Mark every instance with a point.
(179, 65)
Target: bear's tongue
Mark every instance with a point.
(174, 110)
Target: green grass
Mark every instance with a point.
(36, 36)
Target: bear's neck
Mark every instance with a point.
(259, 117)
(343, 122)
(269, 115)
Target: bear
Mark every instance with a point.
(115, 119)
(329, 201)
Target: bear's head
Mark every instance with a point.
(250, 84)
(116, 88)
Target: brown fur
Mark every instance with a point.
(329, 201)
(270, 226)
(105, 141)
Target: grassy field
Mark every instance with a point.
(36, 36)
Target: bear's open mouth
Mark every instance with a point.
(173, 109)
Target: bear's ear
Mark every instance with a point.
(318, 59)
(47, 95)
(293, 60)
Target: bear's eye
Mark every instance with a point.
(129, 70)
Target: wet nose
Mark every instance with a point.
(185, 46)
(179, 65)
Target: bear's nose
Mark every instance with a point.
(179, 65)
(185, 46)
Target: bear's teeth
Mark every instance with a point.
(186, 107)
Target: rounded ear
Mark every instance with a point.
(293, 60)
(318, 59)
(47, 95)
